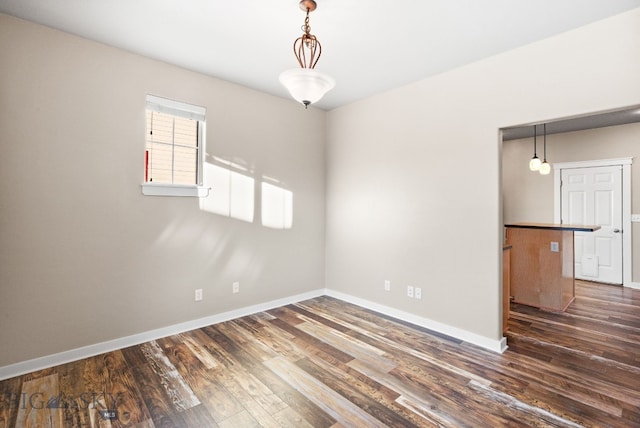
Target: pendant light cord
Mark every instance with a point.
(545, 141)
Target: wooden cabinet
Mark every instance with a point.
(506, 285)
(542, 265)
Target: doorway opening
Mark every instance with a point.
(607, 136)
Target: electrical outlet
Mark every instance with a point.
(236, 287)
(409, 291)
(418, 293)
(555, 247)
(198, 294)
(387, 285)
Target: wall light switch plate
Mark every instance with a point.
(635, 218)
(555, 247)
(235, 287)
(418, 293)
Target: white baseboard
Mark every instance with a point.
(36, 364)
(484, 342)
(634, 285)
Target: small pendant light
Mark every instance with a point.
(545, 168)
(534, 163)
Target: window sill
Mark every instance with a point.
(157, 189)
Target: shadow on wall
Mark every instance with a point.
(235, 193)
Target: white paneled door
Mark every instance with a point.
(594, 196)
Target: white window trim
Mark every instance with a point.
(175, 108)
(188, 111)
(166, 189)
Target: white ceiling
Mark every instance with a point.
(368, 47)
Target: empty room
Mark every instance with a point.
(319, 213)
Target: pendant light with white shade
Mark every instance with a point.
(305, 84)
(545, 167)
(534, 163)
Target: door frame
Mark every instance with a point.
(625, 163)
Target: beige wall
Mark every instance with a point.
(529, 196)
(413, 186)
(84, 256)
(414, 174)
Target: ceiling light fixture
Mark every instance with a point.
(545, 168)
(305, 84)
(534, 163)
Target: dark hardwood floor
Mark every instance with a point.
(326, 363)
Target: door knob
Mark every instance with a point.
(616, 231)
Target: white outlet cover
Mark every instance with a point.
(409, 291)
(555, 247)
(236, 287)
(198, 294)
(387, 285)
(418, 293)
(635, 218)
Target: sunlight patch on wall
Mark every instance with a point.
(231, 195)
(277, 207)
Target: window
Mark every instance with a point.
(174, 148)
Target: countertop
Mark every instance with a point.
(551, 226)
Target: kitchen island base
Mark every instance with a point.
(542, 264)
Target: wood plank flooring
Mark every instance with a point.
(326, 363)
